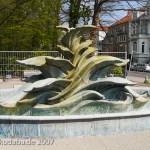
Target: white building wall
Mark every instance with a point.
(147, 46)
(100, 37)
(139, 45)
(130, 48)
(148, 27)
(139, 38)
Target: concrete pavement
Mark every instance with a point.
(136, 79)
(15, 83)
(11, 83)
(130, 141)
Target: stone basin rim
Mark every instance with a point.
(76, 117)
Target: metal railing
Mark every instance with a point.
(122, 55)
(9, 68)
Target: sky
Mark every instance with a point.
(117, 15)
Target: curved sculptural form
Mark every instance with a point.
(75, 81)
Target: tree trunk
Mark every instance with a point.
(95, 19)
(95, 22)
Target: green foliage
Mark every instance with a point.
(147, 82)
(85, 14)
(74, 14)
(29, 26)
(78, 10)
(117, 71)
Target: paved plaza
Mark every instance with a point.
(130, 141)
(10, 83)
(16, 83)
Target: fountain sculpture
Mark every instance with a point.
(75, 84)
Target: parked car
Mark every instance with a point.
(142, 67)
(147, 67)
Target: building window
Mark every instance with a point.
(111, 31)
(118, 39)
(124, 38)
(134, 15)
(143, 47)
(124, 28)
(122, 48)
(148, 11)
(121, 38)
(118, 47)
(144, 27)
(135, 47)
(117, 29)
(134, 28)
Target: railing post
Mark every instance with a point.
(126, 64)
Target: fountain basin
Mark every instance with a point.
(73, 126)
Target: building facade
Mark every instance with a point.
(117, 36)
(100, 36)
(139, 34)
(131, 34)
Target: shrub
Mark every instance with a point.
(147, 82)
(117, 71)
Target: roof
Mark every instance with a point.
(104, 28)
(123, 20)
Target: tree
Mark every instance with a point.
(97, 7)
(107, 7)
(29, 24)
(9, 6)
(74, 13)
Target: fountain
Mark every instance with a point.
(74, 95)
